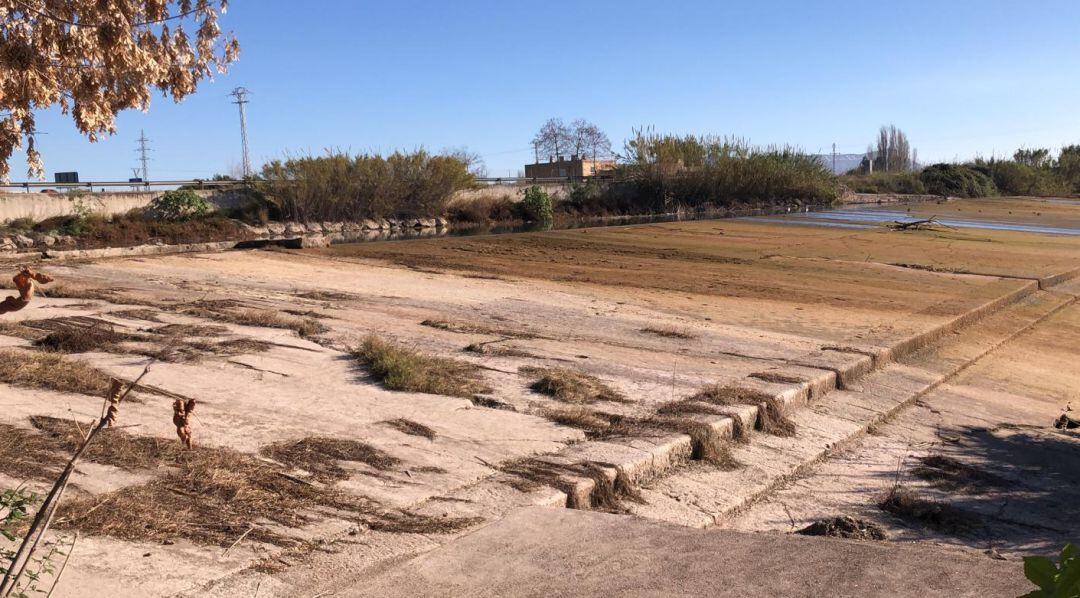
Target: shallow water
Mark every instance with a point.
(600, 222)
(864, 218)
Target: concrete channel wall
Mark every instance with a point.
(39, 206)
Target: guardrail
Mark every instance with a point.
(205, 184)
(141, 185)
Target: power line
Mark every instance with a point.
(241, 94)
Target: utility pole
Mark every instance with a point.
(834, 158)
(143, 158)
(241, 94)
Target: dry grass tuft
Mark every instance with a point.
(571, 386)
(771, 418)
(188, 330)
(148, 315)
(471, 328)
(498, 350)
(845, 527)
(51, 371)
(233, 312)
(778, 378)
(26, 455)
(320, 295)
(669, 332)
(909, 506)
(593, 423)
(949, 474)
(208, 496)
(412, 428)
(530, 474)
(77, 339)
(707, 445)
(406, 522)
(319, 456)
(399, 368)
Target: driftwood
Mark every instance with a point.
(926, 224)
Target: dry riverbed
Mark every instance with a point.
(309, 451)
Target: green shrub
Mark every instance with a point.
(342, 187)
(1017, 178)
(667, 172)
(180, 204)
(536, 206)
(907, 183)
(957, 180)
(1055, 580)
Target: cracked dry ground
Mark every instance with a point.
(324, 474)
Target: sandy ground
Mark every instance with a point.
(748, 296)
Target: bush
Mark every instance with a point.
(536, 206)
(180, 204)
(957, 180)
(667, 172)
(481, 210)
(342, 187)
(906, 183)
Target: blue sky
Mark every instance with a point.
(961, 78)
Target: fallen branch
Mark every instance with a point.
(48, 508)
(928, 223)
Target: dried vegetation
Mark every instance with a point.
(400, 368)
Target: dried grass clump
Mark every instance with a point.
(188, 330)
(594, 424)
(494, 350)
(26, 455)
(78, 339)
(949, 474)
(669, 332)
(208, 496)
(320, 456)
(410, 427)
(51, 371)
(399, 368)
(233, 312)
(692, 407)
(909, 506)
(778, 378)
(113, 447)
(406, 522)
(706, 444)
(321, 295)
(845, 527)
(771, 418)
(571, 386)
(63, 291)
(471, 328)
(148, 315)
(530, 474)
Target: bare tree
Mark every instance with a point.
(553, 138)
(95, 58)
(589, 140)
(473, 161)
(893, 150)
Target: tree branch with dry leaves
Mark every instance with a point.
(95, 59)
